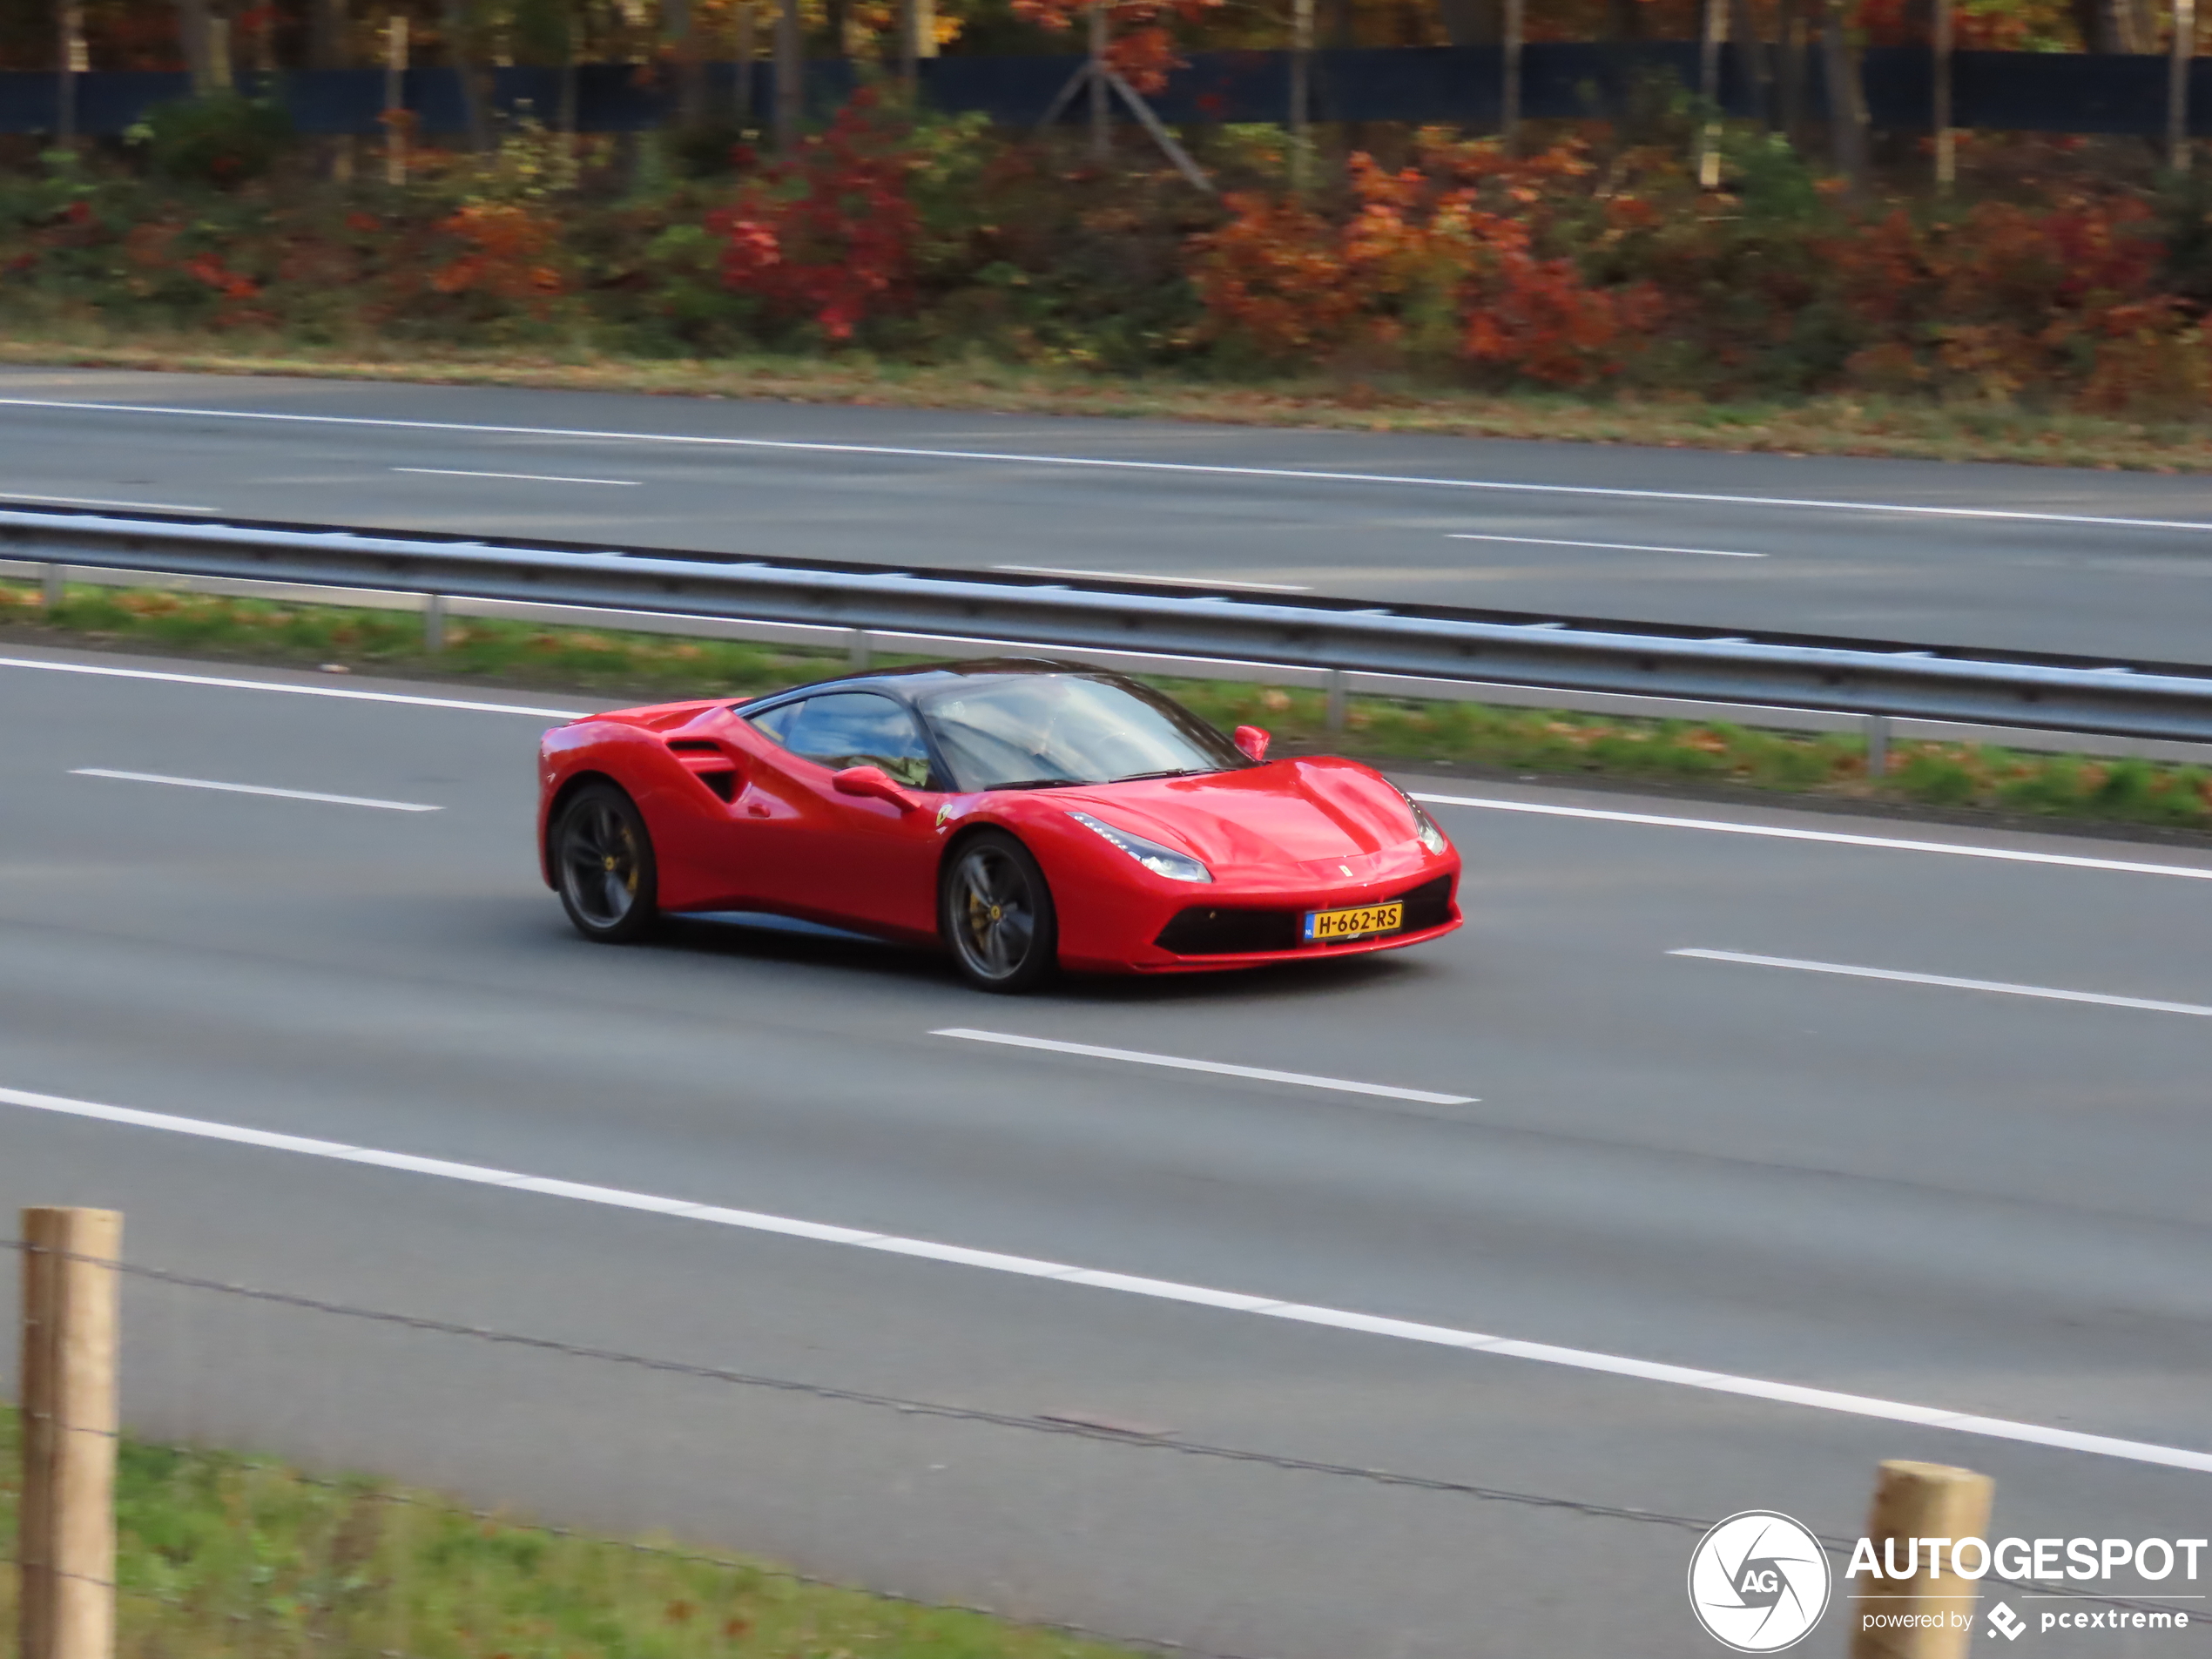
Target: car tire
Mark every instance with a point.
(996, 915)
(603, 866)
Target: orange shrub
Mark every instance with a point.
(1443, 255)
(506, 258)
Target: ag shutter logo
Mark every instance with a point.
(1758, 1581)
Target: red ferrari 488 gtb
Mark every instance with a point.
(1026, 815)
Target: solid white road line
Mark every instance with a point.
(2006, 854)
(1169, 581)
(251, 789)
(1945, 980)
(1617, 547)
(524, 477)
(7, 496)
(345, 692)
(1160, 1290)
(1102, 463)
(1259, 1073)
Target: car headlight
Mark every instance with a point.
(1160, 861)
(1425, 829)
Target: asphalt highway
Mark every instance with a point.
(1966, 1177)
(2024, 558)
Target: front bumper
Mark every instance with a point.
(1250, 924)
(1361, 947)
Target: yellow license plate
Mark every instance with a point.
(1323, 925)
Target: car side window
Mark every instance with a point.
(841, 729)
(777, 722)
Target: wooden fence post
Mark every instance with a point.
(65, 1545)
(1920, 1504)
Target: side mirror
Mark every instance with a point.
(1253, 741)
(873, 783)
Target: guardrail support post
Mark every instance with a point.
(1334, 717)
(434, 622)
(1917, 1508)
(55, 575)
(65, 1545)
(1877, 745)
(860, 652)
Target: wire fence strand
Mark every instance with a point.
(1060, 1427)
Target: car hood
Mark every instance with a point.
(1287, 812)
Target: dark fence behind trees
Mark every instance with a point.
(1460, 85)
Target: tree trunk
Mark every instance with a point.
(326, 34)
(1789, 26)
(193, 18)
(1473, 22)
(1751, 59)
(460, 52)
(791, 76)
(69, 63)
(2113, 26)
(743, 49)
(1847, 136)
(571, 87)
(681, 25)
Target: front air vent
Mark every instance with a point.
(1428, 904)
(1204, 931)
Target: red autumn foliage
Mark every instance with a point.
(209, 268)
(1444, 252)
(1596, 261)
(2006, 297)
(829, 234)
(506, 259)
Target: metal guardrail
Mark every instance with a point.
(1846, 677)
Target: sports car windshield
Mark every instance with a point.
(1035, 730)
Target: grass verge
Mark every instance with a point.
(218, 1554)
(1922, 429)
(620, 666)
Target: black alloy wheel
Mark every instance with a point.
(602, 860)
(997, 913)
